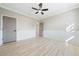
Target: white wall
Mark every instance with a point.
(55, 27)
(26, 26)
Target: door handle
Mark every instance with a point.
(14, 30)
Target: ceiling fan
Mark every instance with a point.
(40, 10)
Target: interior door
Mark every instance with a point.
(9, 29)
(41, 29)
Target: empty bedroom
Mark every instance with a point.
(39, 29)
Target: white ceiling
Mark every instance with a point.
(26, 8)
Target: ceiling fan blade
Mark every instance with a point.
(36, 12)
(44, 9)
(40, 5)
(42, 13)
(34, 8)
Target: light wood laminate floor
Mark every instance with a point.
(39, 47)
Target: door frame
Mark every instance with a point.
(2, 26)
